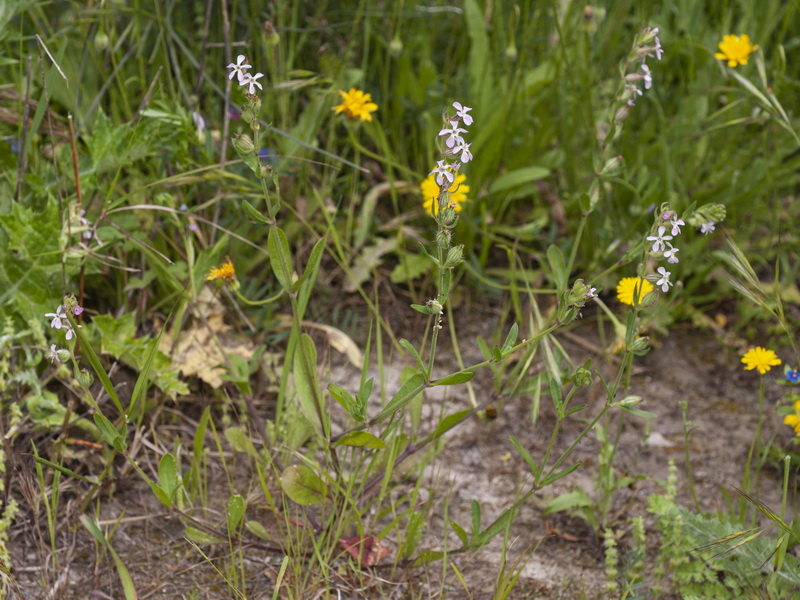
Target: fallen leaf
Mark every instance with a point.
(369, 548)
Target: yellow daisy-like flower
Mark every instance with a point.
(735, 49)
(226, 272)
(761, 359)
(430, 194)
(793, 421)
(628, 285)
(356, 104)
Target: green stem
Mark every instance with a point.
(272, 298)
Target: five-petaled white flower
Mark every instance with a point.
(461, 112)
(250, 80)
(442, 172)
(53, 355)
(659, 240)
(453, 134)
(671, 254)
(239, 69)
(664, 282)
(58, 318)
(462, 148)
(676, 225)
(707, 228)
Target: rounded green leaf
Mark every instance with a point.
(361, 439)
(303, 486)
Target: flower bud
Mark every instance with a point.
(612, 166)
(85, 379)
(511, 53)
(396, 47)
(443, 238)
(244, 144)
(583, 377)
(266, 171)
(101, 41)
(454, 256)
(271, 37)
(641, 344)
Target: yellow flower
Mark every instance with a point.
(226, 272)
(735, 49)
(357, 105)
(430, 194)
(628, 285)
(761, 359)
(793, 421)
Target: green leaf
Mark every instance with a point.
(556, 476)
(168, 475)
(410, 267)
(240, 441)
(124, 576)
(577, 498)
(525, 456)
(454, 378)
(499, 525)
(410, 347)
(361, 439)
(475, 513)
(558, 266)
(306, 385)
(639, 412)
(347, 402)
(280, 258)
(109, 432)
(518, 177)
(447, 424)
(424, 309)
(257, 529)
(404, 395)
(303, 485)
(428, 556)
(201, 537)
(459, 531)
(253, 213)
(511, 339)
(234, 513)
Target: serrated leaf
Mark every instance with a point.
(410, 267)
(303, 485)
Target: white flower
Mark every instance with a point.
(707, 228)
(634, 91)
(70, 331)
(453, 134)
(591, 293)
(676, 225)
(664, 282)
(461, 111)
(659, 239)
(657, 49)
(442, 172)
(53, 354)
(462, 148)
(59, 318)
(239, 69)
(648, 79)
(251, 81)
(672, 254)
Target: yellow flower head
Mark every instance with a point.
(628, 285)
(793, 421)
(430, 194)
(761, 359)
(735, 49)
(226, 272)
(356, 104)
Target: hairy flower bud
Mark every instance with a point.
(244, 144)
